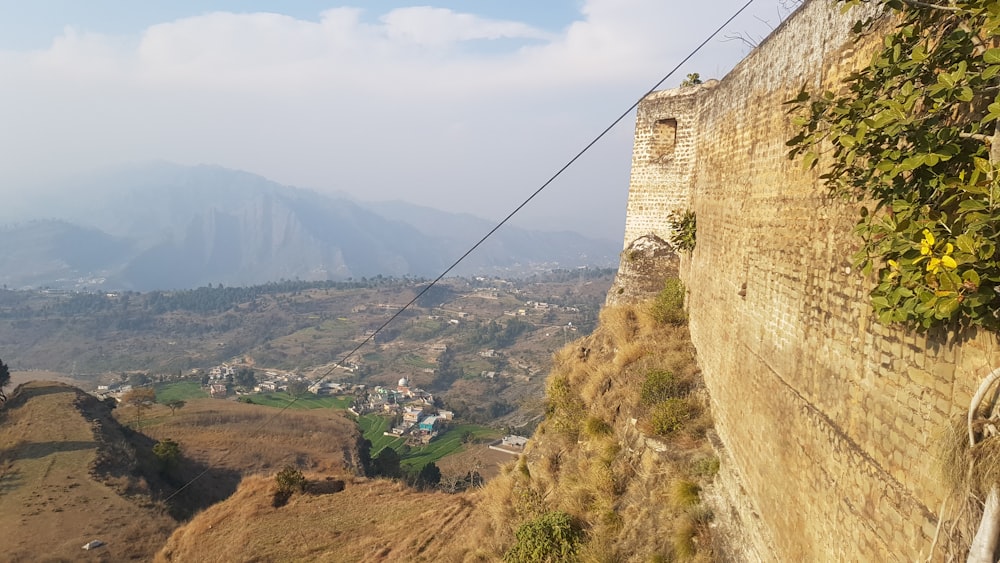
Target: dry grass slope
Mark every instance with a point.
(631, 485)
(603, 460)
(56, 443)
(370, 520)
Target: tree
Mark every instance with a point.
(297, 388)
(386, 463)
(137, 379)
(141, 399)
(169, 454)
(429, 476)
(917, 134)
(4, 380)
(174, 405)
(246, 378)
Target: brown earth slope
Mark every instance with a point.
(370, 520)
(53, 499)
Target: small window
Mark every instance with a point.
(664, 138)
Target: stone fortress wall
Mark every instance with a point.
(828, 422)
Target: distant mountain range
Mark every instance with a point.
(164, 226)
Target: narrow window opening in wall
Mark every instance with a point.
(664, 138)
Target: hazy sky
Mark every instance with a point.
(464, 106)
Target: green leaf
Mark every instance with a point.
(971, 276)
(947, 306)
(968, 205)
(965, 243)
(982, 165)
(991, 56)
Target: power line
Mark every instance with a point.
(472, 249)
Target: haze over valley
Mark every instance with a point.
(165, 226)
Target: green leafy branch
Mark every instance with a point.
(910, 137)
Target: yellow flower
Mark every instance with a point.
(936, 265)
(927, 245)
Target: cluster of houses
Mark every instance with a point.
(419, 425)
(420, 420)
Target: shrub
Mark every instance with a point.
(705, 467)
(550, 537)
(670, 415)
(290, 480)
(168, 452)
(668, 307)
(659, 386)
(596, 427)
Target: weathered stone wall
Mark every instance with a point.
(830, 420)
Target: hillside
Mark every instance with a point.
(368, 521)
(71, 470)
(622, 458)
(65, 479)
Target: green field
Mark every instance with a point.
(282, 399)
(179, 391)
(373, 425)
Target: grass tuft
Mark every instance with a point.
(596, 427)
(684, 494)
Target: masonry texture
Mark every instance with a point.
(829, 422)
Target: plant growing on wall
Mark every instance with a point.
(914, 138)
(910, 136)
(683, 230)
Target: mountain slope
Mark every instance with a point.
(163, 226)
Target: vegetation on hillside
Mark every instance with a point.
(616, 469)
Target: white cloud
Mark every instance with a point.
(437, 26)
(407, 105)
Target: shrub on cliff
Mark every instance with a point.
(660, 385)
(670, 415)
(289, 480)
(668, 308)
(551, 537)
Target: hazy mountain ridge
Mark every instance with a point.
(163, 226)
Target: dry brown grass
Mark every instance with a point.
(50, 501)
(253, 439)
(370, 520)
(590, 458)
